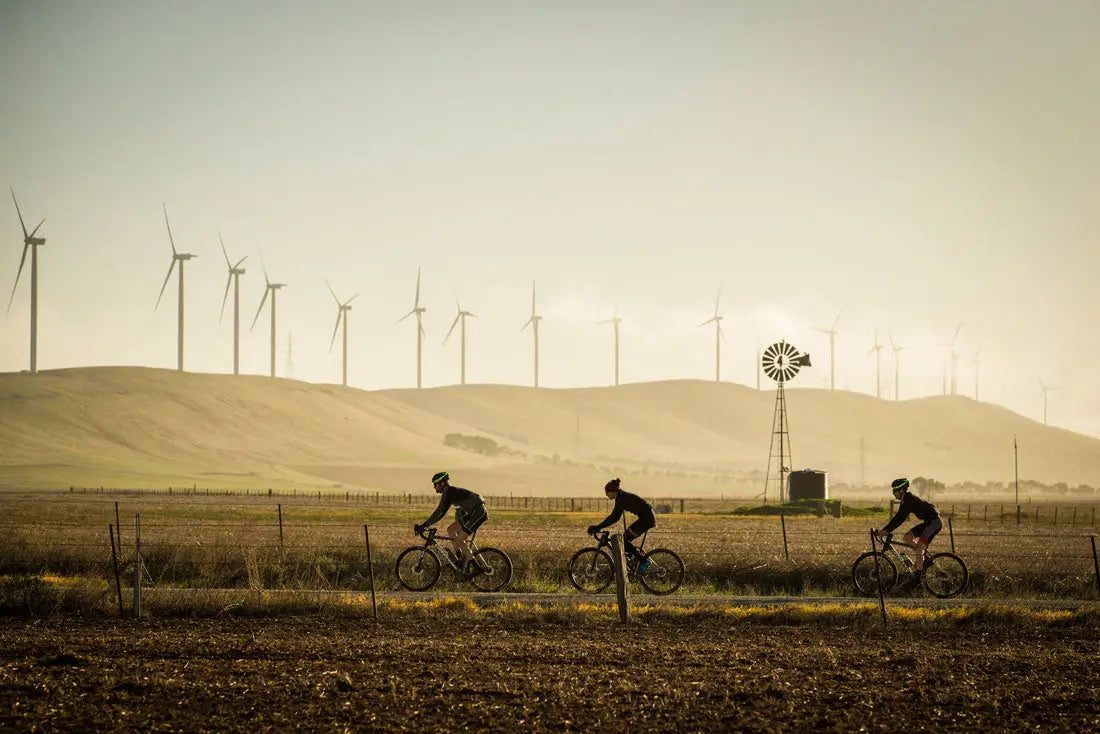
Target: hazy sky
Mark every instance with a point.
(917, 165)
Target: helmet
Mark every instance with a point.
(612, 486)
(440, 476)
(899, 487)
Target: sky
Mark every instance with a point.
(909, 167)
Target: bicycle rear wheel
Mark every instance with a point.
(417, 568)
(591, 570)
(665, 572)
(494, 569)
(945, 575)
(866, 577)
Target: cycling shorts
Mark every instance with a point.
(927, 530)
(472, 519)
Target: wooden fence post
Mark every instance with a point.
(370, 565)
(137, 566)
(1095, 563)
(951, 534)
(118, 525)
(681, 507)
(280, 507)
(118, 580)
(622, 589)
(878, 577)
(783, 524)
(1055, 520)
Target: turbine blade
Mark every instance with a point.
(228, 282)
(453, 325)
(264, 267)
(526, 324)
(836, 320)
(332, 292)
(35, 230)
(21, 261)
(170, 267)
(717, 300)
(171, 241)
(335, 329)
(532, 298)
(472, 315)
(240, 261)
(420, 325)
(261, 308)
(416, 303)
(25, 235)
(227, 263)
(710, 320)
(410, 313)
(352, 299)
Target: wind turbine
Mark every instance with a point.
(271, 288)
(419, 311)
(897, 361)
(181, 258)
(718, 337)
(877, 349)
(235, 273)
(831, 331)
(954, 361)
(533, 322)
(615, 320)
(29, 240)
(460, 316)
(341, 315)
(1045, 389)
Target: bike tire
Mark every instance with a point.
(665, 573)
(417, 568)
(864, 576)
(945, 575)
(497, 569)
(591, 570)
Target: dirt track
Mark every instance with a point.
(412, 673)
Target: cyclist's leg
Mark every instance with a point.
(458, 540)
(931, 529)
(909, 540)
(465, 525)
(636, 529)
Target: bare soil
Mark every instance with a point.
(496, 675)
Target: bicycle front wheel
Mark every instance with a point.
(591, 570)
(866, 577)
(945, 575)
(417, 568)
(665, 572)
(489, 570)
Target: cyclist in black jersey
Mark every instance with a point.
(635, 505)
(919, 536)
(470, 513)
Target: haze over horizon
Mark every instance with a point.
(912, 167)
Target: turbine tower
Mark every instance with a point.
(877, 349)
(341, 315)
(718, 337)
(235, 273)
(533, 322)
(615, 320)
(181, 258)
(419, 311)
(33, 242)
(897, 361)
(1045, 389)
(273, 289)
(955, 362)
(831, 331)
(460, 316)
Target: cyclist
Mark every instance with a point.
(632, 503)
(919, 536)
(470, 513)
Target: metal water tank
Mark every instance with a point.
(808, 484)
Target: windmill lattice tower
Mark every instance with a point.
(781, 362)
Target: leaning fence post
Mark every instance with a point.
(783, 524)
(118, 525)
(951, 533)
(114, 563)
(1095, 563)
(622, 589)
(280, 507)
(137, 566)
(370, 565)
(878, 577)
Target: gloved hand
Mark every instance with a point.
(418, 529)
(592, 529)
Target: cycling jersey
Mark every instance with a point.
(911, 504)
(463, 498)
(632, 503)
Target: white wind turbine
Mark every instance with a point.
(235, 273)
(460, 316)
(954, 361)
(273, 289)
(877, 349)
(897, 362)
(181, 258)
(419, 311)
(718, 337)
(831, 331)
(533, 322)
(1046, 389)
(341, 315)
(615, 320)
(32, 242)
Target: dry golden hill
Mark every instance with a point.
(140, 427)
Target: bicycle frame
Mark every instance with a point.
(888, 547)
(431, 542)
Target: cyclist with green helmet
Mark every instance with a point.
(470, 513)
(919, 536)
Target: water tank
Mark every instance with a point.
(808, 484)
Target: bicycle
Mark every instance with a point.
(945, 575)
(592, 570)
(418, 566)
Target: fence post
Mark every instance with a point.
(968, 513)
(681, 507)
(118, 525)
(622, 589)
(280, 506)
(878, 577)
(985, 514)
(1055, 520)
(1017, 516)
(114, 563)
(137, 566)
(783, 524)
(1073, 521)
(370, 565)
(951, 534)
(1095, 563)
